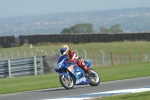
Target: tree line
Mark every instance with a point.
(88, 28)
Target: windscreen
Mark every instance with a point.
(61, 61)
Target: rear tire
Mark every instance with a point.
(66, 83)
(94, 81)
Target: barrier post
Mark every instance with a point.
(9, 68)
(35, 66)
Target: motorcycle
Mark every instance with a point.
(70, 74)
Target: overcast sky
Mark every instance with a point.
(16, 8)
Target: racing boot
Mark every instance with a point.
(89, 74)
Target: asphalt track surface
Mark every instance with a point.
(78, 90)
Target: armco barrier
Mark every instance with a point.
(21, 67)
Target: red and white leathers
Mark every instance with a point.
(73, 57)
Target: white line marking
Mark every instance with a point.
(101, 94)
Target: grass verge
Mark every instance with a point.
(107, 73)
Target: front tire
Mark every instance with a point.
(66, 83)
(94, 81)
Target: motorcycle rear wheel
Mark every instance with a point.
(66, 83)
(94, 81)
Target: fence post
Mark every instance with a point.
(76, 51)
(38, 52)
(112, 58)
(11, 54)
(5, 54)
(102, 56)
(9, 68)
(84, 53)
(35, 66)
(121, 58)
(131, 60)
(146, 58)
(45, 52)
(24, 53)
(141, 56)
(52, 51)
(94, 58)
(31, 53)
(18, 53)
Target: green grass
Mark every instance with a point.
(116, 47)
(107, 73)
(26, 83)
(123, 71)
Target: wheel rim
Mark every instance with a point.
(96, 78)
(67, 82)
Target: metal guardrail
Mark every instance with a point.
(21, 67)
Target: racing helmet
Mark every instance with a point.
(64, 49)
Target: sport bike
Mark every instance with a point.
(71, 74)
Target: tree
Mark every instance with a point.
(116, 29)
(104, 29)
(79, 28)
(66, 30)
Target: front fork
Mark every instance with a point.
(65, 74)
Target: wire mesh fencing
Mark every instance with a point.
(99, 58)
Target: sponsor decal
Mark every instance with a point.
(77, 75)
(71, 68)
(80, 80)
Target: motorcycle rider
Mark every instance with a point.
(73, 57)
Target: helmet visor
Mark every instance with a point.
(63, 51)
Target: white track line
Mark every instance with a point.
(101, 94)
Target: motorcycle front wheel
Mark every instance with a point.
(66, 83)
(94, 81)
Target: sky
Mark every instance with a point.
(17, 8)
